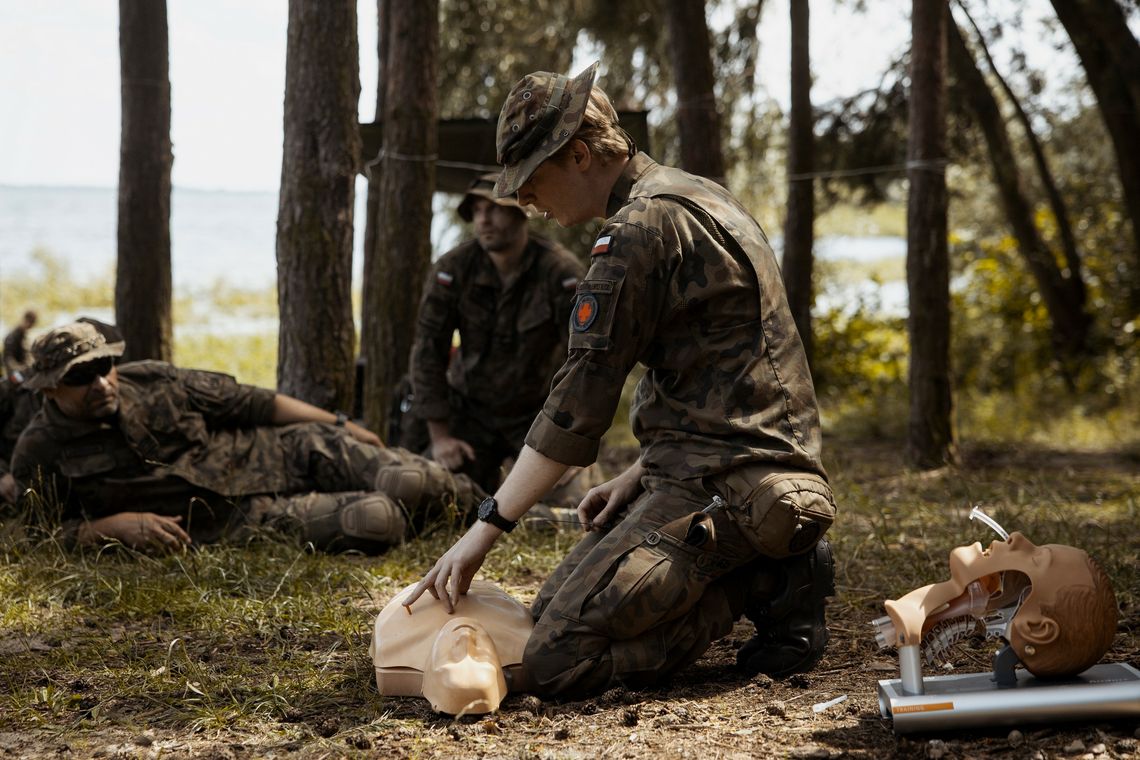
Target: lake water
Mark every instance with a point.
(230, 237)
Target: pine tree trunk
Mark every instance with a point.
(371, 289)
(143, 278)
(1070, 323)
(1110, 56)
(407, 178)
(697, 120)
(798, 260)
(930, 434)
(314, 218)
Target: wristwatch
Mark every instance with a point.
(489, 513)
(341, 419)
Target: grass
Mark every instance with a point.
(267, 642)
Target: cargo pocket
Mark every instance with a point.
(782, 514)
(656, 581)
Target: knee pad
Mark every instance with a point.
(426, 489)
(355, 521)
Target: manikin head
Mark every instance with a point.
(1062, 604)
(463, 674)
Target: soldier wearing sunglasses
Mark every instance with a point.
(156, 456)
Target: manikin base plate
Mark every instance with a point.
(1102, 692)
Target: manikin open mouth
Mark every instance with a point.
(1052, 604)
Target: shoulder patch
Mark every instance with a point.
(602, 245)
(585, 312)
(569, 283)
(444, 278)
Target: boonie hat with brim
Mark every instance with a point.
(541, 114)
(58, 350)
(484, 187)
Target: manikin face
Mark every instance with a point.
(498, 228)
(464, 675)
(1060, 605)
(91, 401)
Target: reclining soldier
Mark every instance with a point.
(158, 457)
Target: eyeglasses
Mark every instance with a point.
(85, 373)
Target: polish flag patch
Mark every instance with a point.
(444, 278)
(602, 245)
(569, 283)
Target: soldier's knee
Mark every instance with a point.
(423, 487)
(358, 521)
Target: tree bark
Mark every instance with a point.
(698, 123)
(1070, 324)
(930, 433)
(798, 260)
(1110, 56)
(402, 248)
(143, 278)
(314, 218)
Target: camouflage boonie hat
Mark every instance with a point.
(542, 113)
(57, 351)
(484, 187)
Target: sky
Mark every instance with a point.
(59, 82)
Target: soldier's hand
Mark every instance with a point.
(8, 490)
(140, 530)
(451, 452)
(452, 573)
(362, 434)
(602, 503)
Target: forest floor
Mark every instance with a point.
(262, 650)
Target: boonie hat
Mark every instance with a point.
(541, 114)
(484, 187)
(58, 350)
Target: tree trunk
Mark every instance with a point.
(798, 261)
(143, 279)
(1110, 57)
(1070, 323)
(930, 435)
(373, 270)
(1074, 278)
(697, 120)
(402, 249)
(314, 217)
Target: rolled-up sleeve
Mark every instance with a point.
(225, 402)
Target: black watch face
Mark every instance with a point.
(486, 508)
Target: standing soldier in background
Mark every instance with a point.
(508, 295)
(723, 512)
(16, 347)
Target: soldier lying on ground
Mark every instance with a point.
(17, 407)
(158, 456)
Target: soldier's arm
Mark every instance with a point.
(436, 322)
(288, 410)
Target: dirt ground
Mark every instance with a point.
(709, 711)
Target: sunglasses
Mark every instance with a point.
(85, 373)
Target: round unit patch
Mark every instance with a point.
(585, 312)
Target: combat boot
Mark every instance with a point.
(367, 522)
(791, 628)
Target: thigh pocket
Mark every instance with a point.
(784, 513)
(652, 583)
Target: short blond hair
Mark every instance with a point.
(599, 130)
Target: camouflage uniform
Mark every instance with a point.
(198, 444)
(17, 407)
(16, 350)
(682, 280)
(512, 340)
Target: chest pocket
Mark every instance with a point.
(534, 314)
(592, 316)
(477, 320)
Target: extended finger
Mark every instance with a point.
(603, 518)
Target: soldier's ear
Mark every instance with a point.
(580, 154)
